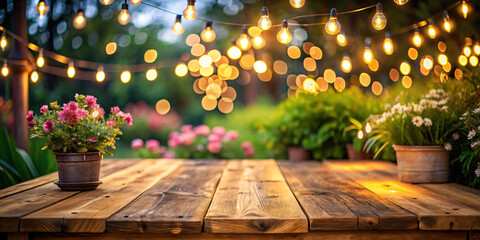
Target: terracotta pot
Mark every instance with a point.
(353, 154)
(78, 171)
(297, 154)
(422, 164)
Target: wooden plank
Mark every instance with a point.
(28, 201)
(253, 197)
(17, 236)
(315, 235)
(456, 192)
(176, 204)
(88, 211)
(334, 203)
(434, 211)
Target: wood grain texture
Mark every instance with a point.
(175, 204)
(466, 195)
(40, 196)
(334, 203)
(253, 197)
(88, 211)
(434, 211)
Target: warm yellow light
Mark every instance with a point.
(234, 52)
(346, 64)
(417, 39)
(100, 76)
(258, 42)
(473, 61)
(5, 70)
(34, 76)
(428, 62)
(205, 61)
(124, 16)
(407, 81)
(446, 22)
(367, 55)
(364, 79)
(125, 76)
(151, 74)
(40, 59)
(3, 41)
(95, 113)
(79, 21)
(190, 13)
(42, 8)
(467, 51)
(462, 60)
(332, 26)
(71, 70)
(377, 88)
(181, 70)
(379, 21)
(284, 36)
(297, 3)
(442, 59)
(432, 33)
(310, 85)
(388, 44)
(405, 68)
(264, 22)
(342, 39)
(260, 66)
(412, 53)
(368, 128)
(243, 42)
(208, 35)
(135, 2)
(150, 56)
(162, 106)
(360, 134)
(400, 2)
(106, 2)
(476, 48)
(177, 27)
(464, 9)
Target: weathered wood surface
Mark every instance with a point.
(253, 197)
(434, 210)
(335, 203)
(176, 204)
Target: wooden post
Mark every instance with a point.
(20, 62)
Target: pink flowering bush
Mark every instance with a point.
(201, 142)
(151, 149)
(78, 126)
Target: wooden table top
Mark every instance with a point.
(239, 196)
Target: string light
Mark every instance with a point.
(442, 59)
(208, 34)
(432, 33)
(34, 76)
(446, 22)
(100, 76)
(379, 21)
(3, 41)
(473, 61)
(367, 53)
(42, 8)
(467, 51)
(135, 2)
(177, 27)
(360, 134)
(342, 39)
(40, 59)
(234, 52)
(151, 74)
(388, 44)
(5, 70)
(79, 21)
(417, 39)
(400, 2)
(258, 42)
(346, 64)
(284, 36)
(260, 66)
(124, 16)
(243, 42)
(428, 62)
(181, 70)
(405, 68)
(476, 48)
(190, 13)
(264, 22)
(332, 26)
(71, 70)
(297, 3)
(368, 128)
(125, 76)
(106, 2)
(462, 60)
(464, 9)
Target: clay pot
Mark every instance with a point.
(297, 154)
(422, 164)
(353, 154)
(78, 171)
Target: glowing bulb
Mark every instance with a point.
(205, 61)
(40, 59)
(467, 51)
(368, 128)
(432, 33)
(95, 113)
(106, 2)
(464, 9)
(405, 68)
(151, 74)
(342, 39)
(3, 41)
(446, 22)
(42, 8)
(367, 53)
(473, 61)
(462, 60)
(190, 13)
(379, 21)
(258, 42)
(476, 48)
(243, 42)
(264, 22)
(177, 27)
(346, 64)
(181, 70)
(284, 36)
(71, 70)
(5, 70)
(442, 59)
(388, 44)
(100, 76)
(360, 134)
(400, 2)
(428, 63)
(135, 2)
(234, 52)
(124, 16)
(333, 27)
(34, 76)
(417, 39)
(310, 85)
(260, 66)
(125, 76)
(208, 34)
(79, 21)
(297, 3)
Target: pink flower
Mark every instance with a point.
(186, 128)
(231, 135)
(219, 131)
(92, 139)
(71, 113)
(115, 109)
(120, 114)
(169, 155)
(246, 144)
(31, 123)
(91, 101)
(249, 152)
(187, 138)
(79, 143)
(128, 119)
(137, 143)
(48, 125)
(200, 147)
(152, 145)
(214, 138)
(214, 147)
(30, 115)
(173, 143)
(44, 109)
(202, 130)
(248, 149)
(111, 123)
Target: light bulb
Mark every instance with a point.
(208, 34)
(34, 76)
(260, 66)
(333, 27)
(190, 13)
(297, 3)
(258, 42)
(428, 62)
(42, 8)
(467, 51)
(100, 76)
(442, 59)
(243, 42)
(5, 70)
(473, 61)
(476, 48)
(379, 21)
(417, 39)
(342, 39)
(125, 76)
(400, 2)
(151, 74)
(447, 24)
(79, 21)
(71, 70)
(464, 9)
(106, 2)
(405, 68)
(177, 27)
(367, 53)
(284, 36)
(264, 22)
(234, 52)
(40, 59)
(462, 60)
(346, 64)
(368, 128)
(124, 16)
(388, 44)
(3, 41)
(432, 33)
(360, 134)
(135, 2)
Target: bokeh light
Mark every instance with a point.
(162, 107)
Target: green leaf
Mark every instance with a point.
(10, 169)
(28, 162)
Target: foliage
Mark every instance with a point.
(78, 126)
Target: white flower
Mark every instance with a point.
(444, 108)
(455, 136)
(471, 134)
(476, 110)
(448, 147)
(473, 145)
(478, 171)
(418, 108)
(427, 122)
(417, 121)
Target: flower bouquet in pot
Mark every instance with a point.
(420, 133)
(78, 134)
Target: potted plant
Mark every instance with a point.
(355, 150)
(420, 133)
(78, 134)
